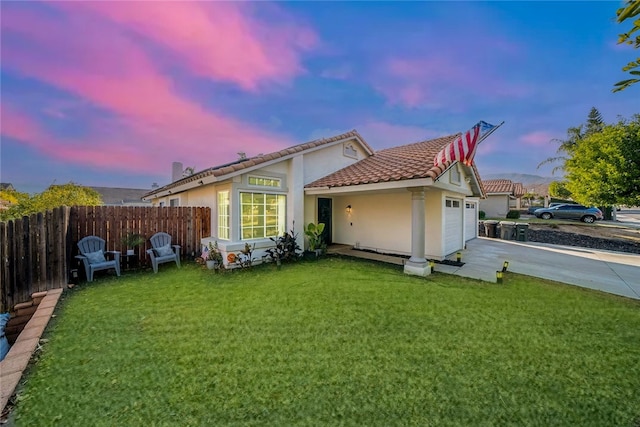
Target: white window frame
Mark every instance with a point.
(224, 215)
(276, 181)
(175, 202)
(256, 211)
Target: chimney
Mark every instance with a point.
(176, 171)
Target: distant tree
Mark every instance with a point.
(629, 11)
(574, 136)
(558, 189)
(529, 196)
(604, 169)
(56, 195)
(594, 122)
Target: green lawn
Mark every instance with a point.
(334, 342)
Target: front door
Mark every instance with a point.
(324, 216)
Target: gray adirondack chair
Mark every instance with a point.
(163, 251)
(92, 254)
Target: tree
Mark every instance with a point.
(630, 10)
(56, 195)
(558, 189)
(604, 168)
(574, 135)
(594, 122)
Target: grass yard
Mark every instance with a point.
(334, 342)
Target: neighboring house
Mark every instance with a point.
(122, 196)
(5, 186)
(502, 195)
(392, 201)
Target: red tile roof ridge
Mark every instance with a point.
(410, 161)
(242, 164)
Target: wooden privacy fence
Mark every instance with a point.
(37, 252)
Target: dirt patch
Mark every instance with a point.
(597, 236)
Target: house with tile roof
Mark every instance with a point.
(115, 196)
(391, 201)
(502, 195)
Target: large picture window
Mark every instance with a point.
(223, 215)
(262, 215)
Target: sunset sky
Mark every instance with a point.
(111, 93)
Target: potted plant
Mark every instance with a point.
(131, 240)
(314, 234)
(213, 256)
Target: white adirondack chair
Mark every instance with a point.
(163, 251)
(93, 257)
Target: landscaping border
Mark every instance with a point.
(20, 353)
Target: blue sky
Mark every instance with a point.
(111, 93)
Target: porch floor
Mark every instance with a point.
(347, 250)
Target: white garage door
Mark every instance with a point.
(453, 225)
(470, 220)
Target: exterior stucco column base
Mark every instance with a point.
(417, 268)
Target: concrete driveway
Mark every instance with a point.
(613, 272)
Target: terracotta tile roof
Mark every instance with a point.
(518, 189)
(240, 165)
(503, 186)
(498, 186)
(410, 161)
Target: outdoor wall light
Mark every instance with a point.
(348, 209)
(505, 265)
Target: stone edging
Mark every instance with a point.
(16, 361)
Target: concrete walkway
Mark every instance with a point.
(613, 272)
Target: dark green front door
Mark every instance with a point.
(324, 216)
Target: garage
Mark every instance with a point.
(470, 220)
(453, 225)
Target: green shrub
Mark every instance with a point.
(513, 214)
(482, 214)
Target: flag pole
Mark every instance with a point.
(493, 129)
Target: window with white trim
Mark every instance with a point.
(261, 181)
(262, 215)
(223, 215)
(174, 202)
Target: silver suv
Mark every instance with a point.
(570, 211)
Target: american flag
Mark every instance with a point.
(463, 148)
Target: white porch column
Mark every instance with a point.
(417, 264)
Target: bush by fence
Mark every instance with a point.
(37, 252)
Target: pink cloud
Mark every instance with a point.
(146, 121)
(446, 76)
(536, 139)
(25, 129)
(219, 40)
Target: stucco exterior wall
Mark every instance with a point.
(495, 206)
(379, 222)
(325, 161)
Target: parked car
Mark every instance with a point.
(532, 209)
(570, 211)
